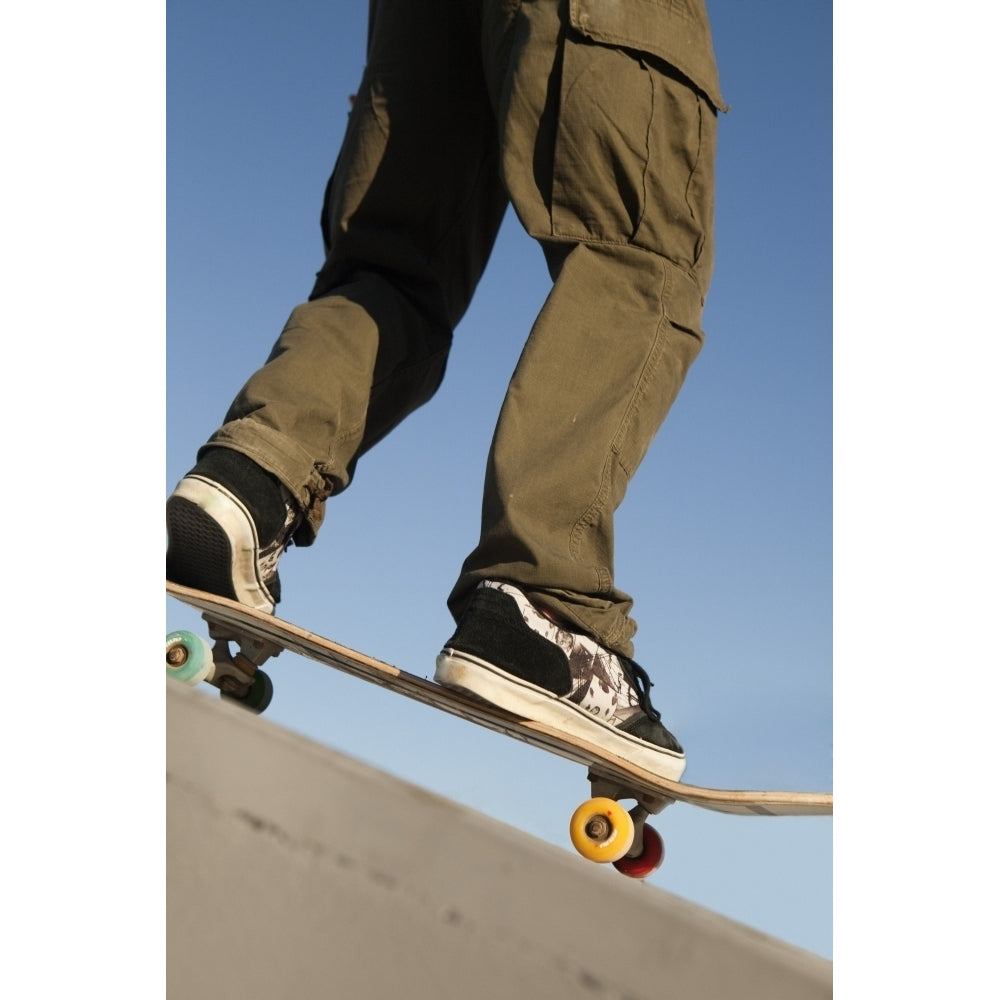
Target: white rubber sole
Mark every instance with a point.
(474, 676)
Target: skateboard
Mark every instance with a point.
(601, 829)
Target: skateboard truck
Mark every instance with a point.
(602, 830)
(237, 675)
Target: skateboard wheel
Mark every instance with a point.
(648, 861)
(259, 695)
(189, 657)
(601, 830)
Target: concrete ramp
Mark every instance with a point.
(295, 872)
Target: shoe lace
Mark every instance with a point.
(641, 682)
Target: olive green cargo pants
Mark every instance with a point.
(596, 120)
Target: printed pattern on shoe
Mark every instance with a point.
(267, 560)
(599, 684)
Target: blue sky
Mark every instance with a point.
(725, 537)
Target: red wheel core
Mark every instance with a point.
(648, 861)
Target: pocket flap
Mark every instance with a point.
(676, 31)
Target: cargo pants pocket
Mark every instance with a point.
(634, 145)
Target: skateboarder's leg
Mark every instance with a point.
(410, 216)
(598, 374)
(608, 156)
(607, 153)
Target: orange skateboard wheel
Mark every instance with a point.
(601, 830)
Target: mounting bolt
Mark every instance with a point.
(598, 828)
(177, 655)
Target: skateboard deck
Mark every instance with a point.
(612, 777)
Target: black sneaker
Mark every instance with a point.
(228, 521)
(508, 653)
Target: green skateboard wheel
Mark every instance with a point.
(189, 657)
(259, 695)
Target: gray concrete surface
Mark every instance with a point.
(295, 872)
